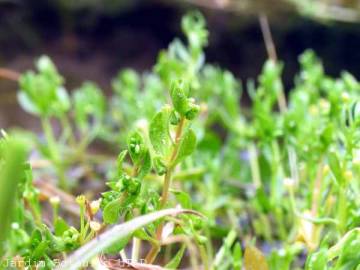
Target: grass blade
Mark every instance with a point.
(11, 172)
(110, 237)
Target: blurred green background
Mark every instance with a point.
(93, 39)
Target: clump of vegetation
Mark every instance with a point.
(200, 181)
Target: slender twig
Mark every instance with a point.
(271, 51)
(269, 43)
(9, 74)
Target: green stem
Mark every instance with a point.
(82, 222)
(170, 168)
(54, 151)
(342, 210)
(50, 139)
(277, 175)
(151, 256)
(228, 242)
(68, 134)
(204, 256)
(166, 187)
(254, 166)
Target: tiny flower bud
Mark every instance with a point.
(178, 93)
(71, 236)
(54, 200)
(95, 206)
(137, 149)
(192, 112)
(95, 226)
(159, 166)
(80, 200)
(174, 118)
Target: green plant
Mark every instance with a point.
(202, 182)
(12, 161)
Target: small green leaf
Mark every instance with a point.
(39, 251)
(143, 235)
(350, 82)
(145, 166)
(45, 65)
(126, 83)
(194, 26)
(60, 226)
(43, 92)
(175, 262)
(317, 261)
(174, 118)
(178, 92)
(347, 250)
(71, 238)
(187, 146)
(118, 246)
(131, 185)
(119, 162)
(237, 256)
(36, 238)
(159, 165)
(192, 112)
(112, 212)
(27, 105)
(62, 103)
(159, 131)
(89, 104)
(335, 166)
(136, 147)
(168, 66)
(183, 198)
